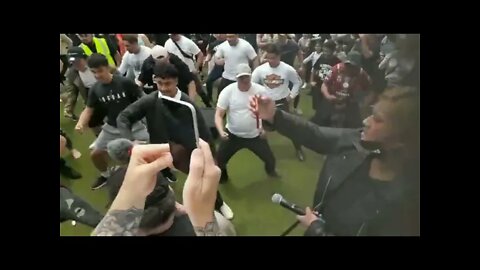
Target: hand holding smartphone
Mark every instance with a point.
(183, 122)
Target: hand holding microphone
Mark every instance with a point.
(304, 217)
(120, 150)
(278, 199)
(308, 217)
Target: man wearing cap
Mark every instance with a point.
(231, 53)
(344, 88)
(79, 79)
(91, 44)
(242, 131)
(159, 54)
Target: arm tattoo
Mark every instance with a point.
(119, 223)
(211, 229)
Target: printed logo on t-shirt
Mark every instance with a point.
(112, 97)
(324, 71)
(273, 81)
(137, 66)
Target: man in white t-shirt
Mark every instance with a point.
(230, 54)
(275, 75)
(133, 59)
(186, 50)
(242, 130)
(191, 55)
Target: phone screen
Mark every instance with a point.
(181, 122)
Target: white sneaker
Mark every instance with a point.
(92, 145)
(226, 211)
(304, 85)
(76, 154)
(298, 111)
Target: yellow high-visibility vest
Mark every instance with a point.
(102, 48)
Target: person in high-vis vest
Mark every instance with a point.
(91, 44)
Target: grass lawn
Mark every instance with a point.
(248, 192)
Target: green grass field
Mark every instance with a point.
(248, 192)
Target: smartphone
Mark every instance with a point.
(182, 124)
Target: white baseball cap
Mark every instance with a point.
(243, 70)
(159, 51)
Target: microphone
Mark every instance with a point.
(277, 198)
(120, 150)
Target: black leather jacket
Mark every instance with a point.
(400, 214)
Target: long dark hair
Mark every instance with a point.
(405, 117)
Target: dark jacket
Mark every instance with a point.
(400, 214)
(72, 205)
(159, 127)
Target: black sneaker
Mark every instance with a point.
(72, 117)
(300, 155)
(69, 172)
(100, 182)
(274, 174)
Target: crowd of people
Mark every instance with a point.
(365, 92)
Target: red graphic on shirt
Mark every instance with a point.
(339, 80)
(273, 81)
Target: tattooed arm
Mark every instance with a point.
(200, 191)
(210, 229)
(124, 216)
(119, 223)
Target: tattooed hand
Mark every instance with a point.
(200, 191)
(210, 229)
(126, 211)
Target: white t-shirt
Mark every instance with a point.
(276, 80)
(239, 119)
(178, 95)
(133, 62)
(87, 77)
(234, 55)
(188, 46)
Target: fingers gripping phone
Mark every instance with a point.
(183, 125)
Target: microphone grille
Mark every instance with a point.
(118, 149)
(277, 198)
